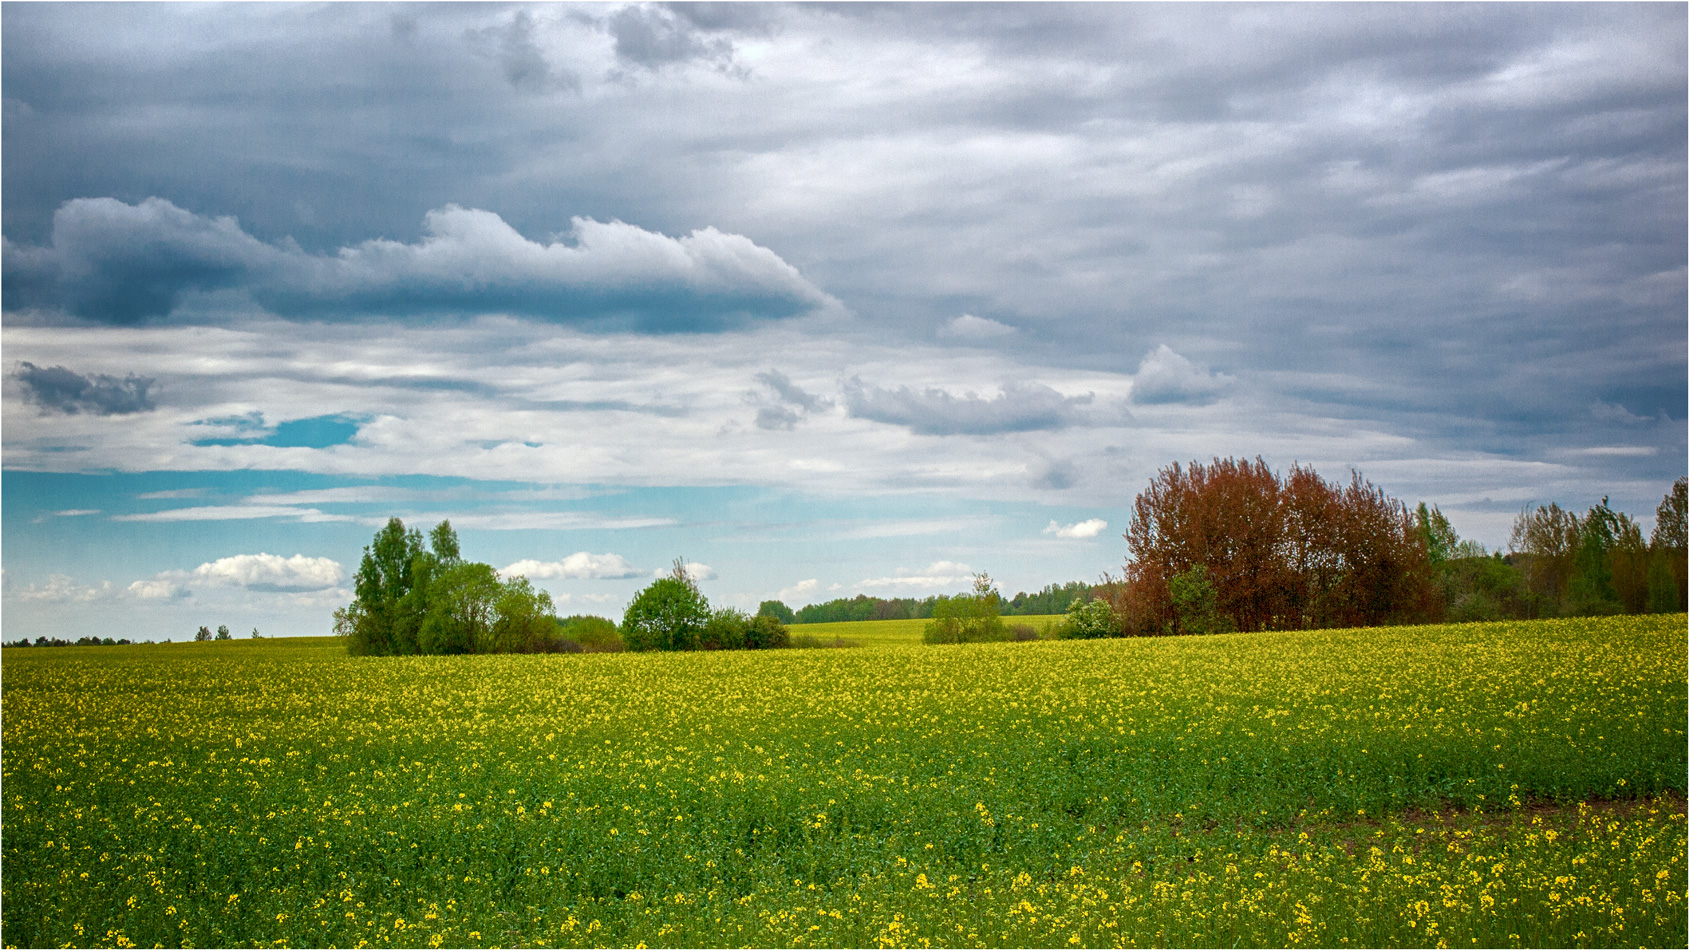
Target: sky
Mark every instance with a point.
(824, 300)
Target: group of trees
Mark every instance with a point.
(1562, 564)
(673, 614)
(1234, 546)
(411, 599)
(204, 633)
(89, 641)
(1053, 599)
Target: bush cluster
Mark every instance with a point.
(673, 614)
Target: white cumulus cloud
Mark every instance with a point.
(257, 572)
(801, 589)
(694, 570)
(582, 565)
(938, 574)
(1088, 528)
(1164, 376)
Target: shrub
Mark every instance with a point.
(767, 633)
(1089, 620)
(725, 630)
(968, 618)
(777, 610)
(1022, 632)
(668, 615)
(594, 634)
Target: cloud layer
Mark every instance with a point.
(1019, 407)
(113, 262)
(581, 565)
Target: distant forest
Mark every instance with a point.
(1053, 599)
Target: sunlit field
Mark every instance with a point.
(1510, 784)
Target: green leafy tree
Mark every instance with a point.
(974, 617)
(777, 610)
(461, 611)
(1669, 546)
(1590, 591)
(524, 620)
(384, 617)
(256, 635)
(1089, 619)
(223, 632)
(596, 634)
(668, 615)
(767, 633)
(1195, 602)
(1439, 536)
(203, 634)
(725, 630)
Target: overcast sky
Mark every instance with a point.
(825, 299)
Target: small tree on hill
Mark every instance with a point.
(668, 615)
(223, 632)
(203, 634)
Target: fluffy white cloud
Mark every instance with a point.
(694, 570)
(158, 589)
(1165, 376)
(581, 565)
(938, 574)
(261, 572)
(799, 591)
(1088, 528)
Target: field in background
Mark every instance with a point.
(1498, 784)
(882, 633)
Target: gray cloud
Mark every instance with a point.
(62, 390)
(119, 263)
(1164, 376)
(652, 37)
(1020, 407)
(519, 54)
(791, 393)
(794, 402)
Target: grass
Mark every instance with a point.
(1489, 784)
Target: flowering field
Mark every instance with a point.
(1496, 785)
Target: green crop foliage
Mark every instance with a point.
(1504, 784)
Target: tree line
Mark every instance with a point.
(1235, 546)
(1053, 599)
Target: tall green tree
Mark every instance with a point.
(670, 614)
(1590, 591)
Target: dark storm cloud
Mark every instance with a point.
(58, 389)
(1020, 407)
(653, 37)
(118, 263)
